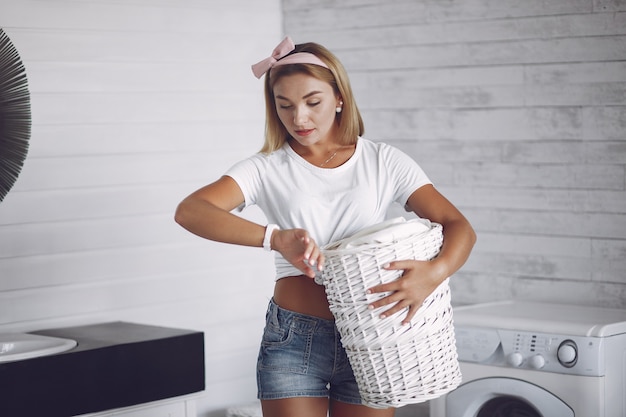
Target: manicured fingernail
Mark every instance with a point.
(370, 307)
(386, 266)
(382, 316)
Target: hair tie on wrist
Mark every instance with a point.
(267, 239)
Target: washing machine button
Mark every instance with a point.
(567, 353)
(515, 359)
(537, 362)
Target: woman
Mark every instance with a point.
(317, 180)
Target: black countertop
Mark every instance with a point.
(114, 365)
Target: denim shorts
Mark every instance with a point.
(302, 356)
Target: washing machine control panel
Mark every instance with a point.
(576, 355)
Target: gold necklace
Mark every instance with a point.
(329, 159)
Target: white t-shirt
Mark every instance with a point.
(330, 204)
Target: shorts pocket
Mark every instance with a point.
(287, 347)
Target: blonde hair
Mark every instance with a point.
(349, 120)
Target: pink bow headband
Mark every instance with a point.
(279, 57)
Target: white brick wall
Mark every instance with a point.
(136, 104)
(517, 110)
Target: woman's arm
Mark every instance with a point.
(207, 213)
(421, 278)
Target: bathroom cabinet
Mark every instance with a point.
(117, 369)
(173, 407)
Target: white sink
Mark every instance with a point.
(19, 346)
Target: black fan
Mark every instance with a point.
(15, 116)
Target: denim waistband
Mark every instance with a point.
(276, 314)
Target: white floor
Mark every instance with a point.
(415, 410)
(253, 410)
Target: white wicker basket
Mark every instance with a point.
(394, 364)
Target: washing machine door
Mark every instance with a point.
(504, 397)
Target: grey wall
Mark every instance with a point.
(517, 112)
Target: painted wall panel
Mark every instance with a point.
(516, 112)
(136, 104)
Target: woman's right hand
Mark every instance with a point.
(297, 247)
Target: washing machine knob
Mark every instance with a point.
(537, 362)
(567, 353)
(515, 359)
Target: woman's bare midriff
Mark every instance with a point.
(303, 295)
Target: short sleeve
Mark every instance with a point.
(406, 174)
(248, 174)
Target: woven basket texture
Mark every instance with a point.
(394, 364)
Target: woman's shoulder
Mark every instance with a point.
(378, 147)
(263, 158)
(260, 164)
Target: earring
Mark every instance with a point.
(339, 108)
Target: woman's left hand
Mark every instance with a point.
(419, 280)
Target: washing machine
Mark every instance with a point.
(523, 359)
